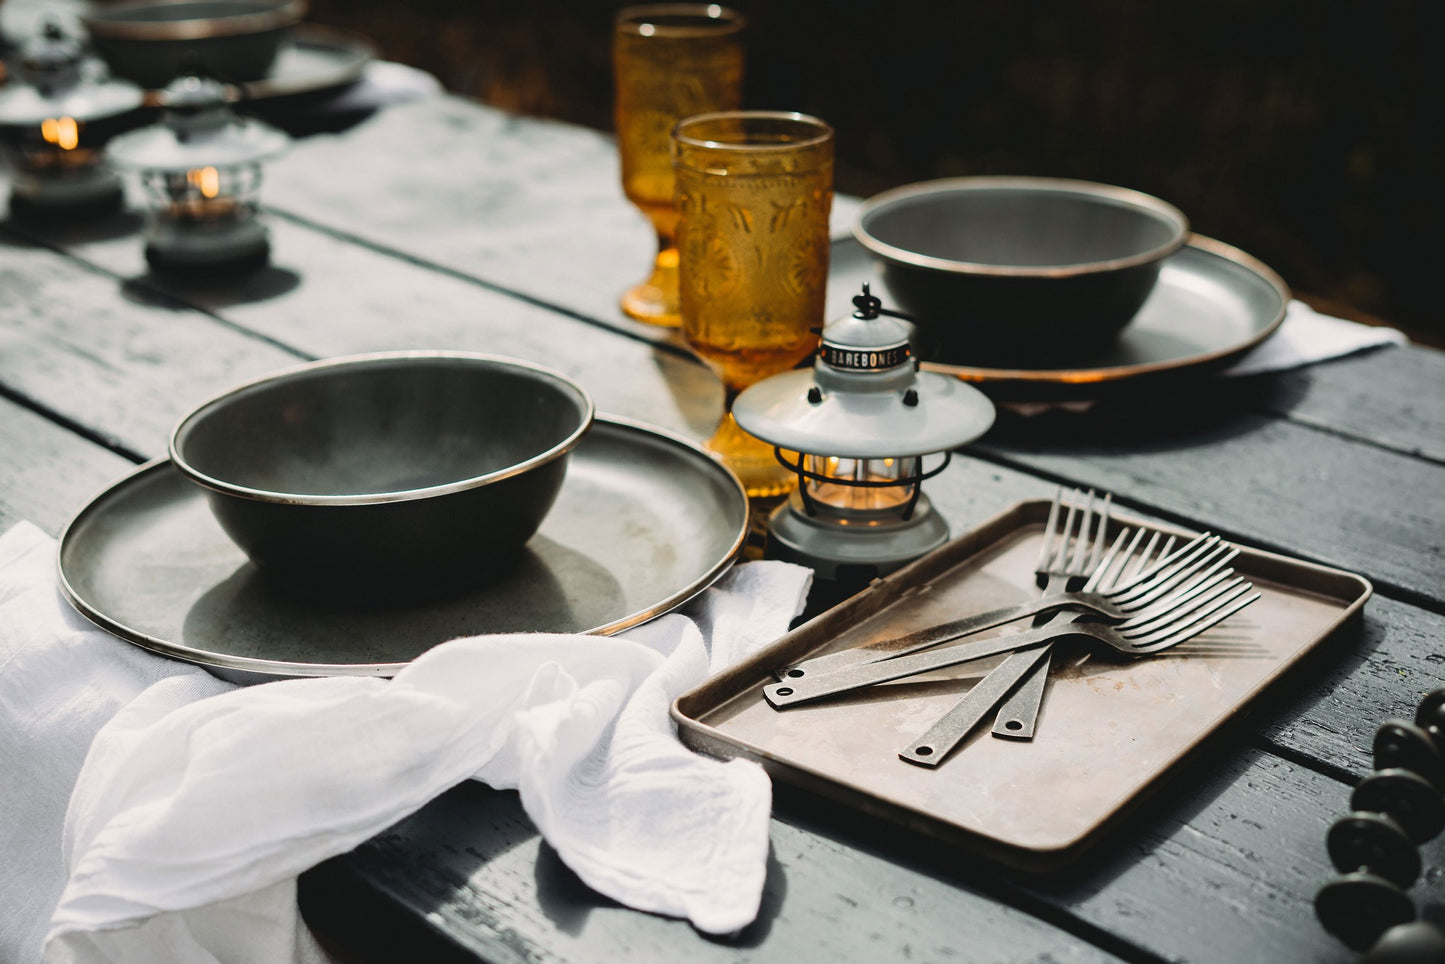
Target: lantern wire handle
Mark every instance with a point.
(869, 306)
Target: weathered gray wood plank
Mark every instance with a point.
(531, 205)
(489, 883)
(325, 296)
(82, 346)
(46, 472)
(1221, 866)
(1384, 396)
(1259, 480)
(1226, 868)
(1329, 709)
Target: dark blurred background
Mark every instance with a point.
(1308, 134)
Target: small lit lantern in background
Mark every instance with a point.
(200, 169)
(55, 116)
(863, 419)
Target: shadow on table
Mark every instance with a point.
(1190, 412)
(568, 902)
(63, 233)
(408, 894)
(212, 291)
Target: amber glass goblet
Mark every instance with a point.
(670, 61)
(754, 189)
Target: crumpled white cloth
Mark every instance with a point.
(199, 803)
(61, 679)
(1306, 336)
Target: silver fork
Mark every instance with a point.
(1018, 714)
(1194, 611)
(1206, 552)
(1159, 627)
(1055, 566)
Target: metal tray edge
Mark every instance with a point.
(687, 710)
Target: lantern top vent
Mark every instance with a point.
(199, 129)
(55, 79)
(864, 398)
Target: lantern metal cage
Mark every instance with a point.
(862, 422)
(55, 119)
(200, 170)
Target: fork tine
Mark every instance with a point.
(1102, 570)
(1211, 563)
(1165, 551)
(1196, 614)
(1046, 549)
(1111, 582)
(1172, 563)
(1190, 632)
(1180, 582)
(1170, 558)
(1177, 606)
(1173, 610)
(1079, 536)
(1138, 563)
(1171, 575)
(1100, 532)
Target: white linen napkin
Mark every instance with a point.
(1306, 336)
(199, 803)
(61, 679)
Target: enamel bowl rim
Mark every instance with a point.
(586, 411)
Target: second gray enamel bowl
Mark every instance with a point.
(1017, 269)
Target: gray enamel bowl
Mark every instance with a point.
(1017, 269)
(407, 471)
(151, 42)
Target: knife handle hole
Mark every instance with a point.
(795, 673)
(1014, 725)
(923, 750)
(784, 691)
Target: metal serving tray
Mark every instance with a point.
(1110, 728)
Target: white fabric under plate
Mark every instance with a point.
(199, 803)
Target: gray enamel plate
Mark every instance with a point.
(645, 521)
(1213, 303)
(316, 59)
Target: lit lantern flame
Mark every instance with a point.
(207, 180)
(893, 473)
(63, 132)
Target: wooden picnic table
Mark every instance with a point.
(446, 224)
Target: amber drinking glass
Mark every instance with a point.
(670, 61)
(754, 189)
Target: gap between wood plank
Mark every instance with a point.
(159, 293)
(1388, 590)
(69, 424)
(662, 344)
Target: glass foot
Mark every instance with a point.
(655, 300)
(752, 459)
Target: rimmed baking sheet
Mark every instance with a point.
(1110, 727)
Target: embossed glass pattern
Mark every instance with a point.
(670, 61)
(754, 190)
